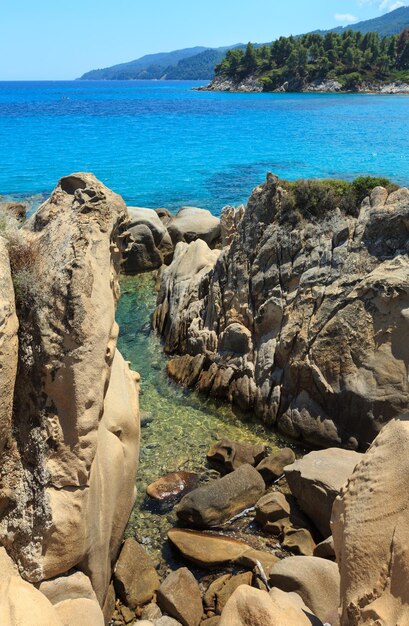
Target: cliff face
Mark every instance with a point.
(68, 470)
(303, 320)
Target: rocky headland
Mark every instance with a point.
(301, 317)
(252, 84)
(293, 308)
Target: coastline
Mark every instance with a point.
(253, 85)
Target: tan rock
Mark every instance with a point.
(8, 351)
(211, 551)
(72, 587)
(191, 223)
(223, 594)
(371, 533)
(229, 455)
(299, 541)
(272, 467)
(80, 612)
(179, 596)
(315, 580)
(252, 607)
(76, 403)
(135, 577)
(316, 480)
(325, 549)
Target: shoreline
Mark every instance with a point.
(253, 85)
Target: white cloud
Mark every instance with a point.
(383, 5)
(346, 18)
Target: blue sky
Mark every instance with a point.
(61, 39)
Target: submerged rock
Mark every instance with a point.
(219, 500)
(172, 486)
(315, 301)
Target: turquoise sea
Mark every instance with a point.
(164, 144)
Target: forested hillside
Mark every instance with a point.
(350, 58)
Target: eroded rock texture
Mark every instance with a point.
(371, 533)
(301, 319)
(68, 472)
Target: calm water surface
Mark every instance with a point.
(163, 144)
(183, 424)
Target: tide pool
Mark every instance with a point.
(164, 144)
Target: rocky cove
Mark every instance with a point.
(295, 314)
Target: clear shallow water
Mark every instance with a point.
(162, 144)
(183, 424)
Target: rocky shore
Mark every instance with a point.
(253, 85)
(298, 315)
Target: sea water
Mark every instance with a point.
(163, 144)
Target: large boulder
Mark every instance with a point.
(211, 551)
(371, 533)
(314, 304)
(68, 472)
(221, 499)
(316, 480)
(191, 223)
(180, 597)
(315, 580)
(135, 576)
(252, 607)
(21, 604)
(149, 244)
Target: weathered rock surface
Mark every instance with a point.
(172, 486)
(149, 244)
(325, 549)
(371, 533)
(191, 223)
(21, 604)
(68, 474)
(277, 513)
(135, 577)
(252, 607)
(179, 595)
(315, 580)
(317, 307)
(317, 479)
(228, 455)
(8, 351)
(272, 467)
(221, 499)
(17, 209)
(211, 551)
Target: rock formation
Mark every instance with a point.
(371, 533)
(70, 449)
(302, 318)
(153, 234)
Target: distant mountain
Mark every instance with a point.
(188, 64)
(198, 63)
(389, 24)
